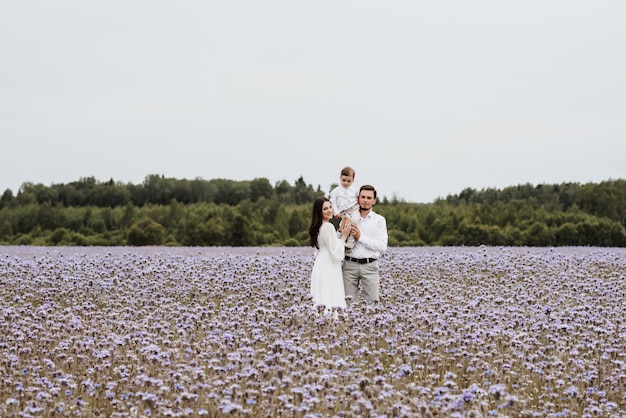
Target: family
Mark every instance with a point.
(346, 259)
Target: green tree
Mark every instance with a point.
(69, 196)
(146, 232)
(539, 235)
(213, 233)
(240, 233)
(6, 231)
(7, 198)
(260, 187)
(192, 230)
(108, 195)
(129, 215)
(48, 216)
(298, 222)
(182, 192)
(284, 191)
(202, 191)
(107, 216)
(567, 235)
(239, 192)
(304, 193)
(60, 236)
(96, 223)
(25, 196)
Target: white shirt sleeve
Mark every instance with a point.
(328, 238)
(333, 200)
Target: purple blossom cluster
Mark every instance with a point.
(126, 332)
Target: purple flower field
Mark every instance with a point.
(141, 332)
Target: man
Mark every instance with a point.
(360, 267)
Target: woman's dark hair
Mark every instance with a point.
(316, 221)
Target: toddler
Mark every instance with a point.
(344, 199)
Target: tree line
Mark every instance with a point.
(221, 212)
(158, 190)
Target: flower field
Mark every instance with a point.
(134, 332)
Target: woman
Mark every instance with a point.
(326, 276)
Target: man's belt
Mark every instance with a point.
(360, 260)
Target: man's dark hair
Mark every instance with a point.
(368, 187)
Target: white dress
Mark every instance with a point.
(326, 276)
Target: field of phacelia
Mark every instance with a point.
(134, 332)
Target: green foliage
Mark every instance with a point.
(298, 221)
(261, 188)
(7, 199)
(6, 231)
(221, 212)
(291, 242)
(60, 236)
(239, 232)
(146, 232)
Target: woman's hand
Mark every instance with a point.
(345, 227)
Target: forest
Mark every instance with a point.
(222, 212)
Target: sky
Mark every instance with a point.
(422, 98)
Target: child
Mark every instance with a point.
(344, 199)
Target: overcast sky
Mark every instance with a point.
(422, 98)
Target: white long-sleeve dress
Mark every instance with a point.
(326, 277)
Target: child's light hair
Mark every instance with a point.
(348, 171)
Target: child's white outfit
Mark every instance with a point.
(345, 202)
